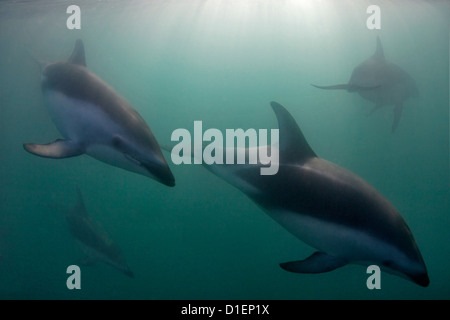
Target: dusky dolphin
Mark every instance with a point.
(95, 242)
(382, 82)
(328, 207)
(95, 120)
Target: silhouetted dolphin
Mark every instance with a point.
(94, 240)
(327, 207)
(382, 82)
(94, 119)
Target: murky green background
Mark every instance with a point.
(221, 62)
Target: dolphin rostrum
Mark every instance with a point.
(328, 207)
(95, 242)
(381, 82)
(95, 120)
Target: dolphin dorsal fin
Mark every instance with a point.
(379, 53)
(293, 145)
(78, 56)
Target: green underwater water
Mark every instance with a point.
(220, 62)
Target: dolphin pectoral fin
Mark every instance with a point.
(353, 87)
(397, 115)
(57, 150)
(318, 262)
(334, 87)
(348, 87)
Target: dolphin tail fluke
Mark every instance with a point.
(397, 115)
(56, 150)
(318, 262)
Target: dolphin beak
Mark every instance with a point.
(161, 172)
(421, 280)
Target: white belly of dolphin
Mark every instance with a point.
(85, 123)
(79, 120)
(337, 240)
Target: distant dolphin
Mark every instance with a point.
(382, 82)
(94, 119)
(94, 240)
(327, 207)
